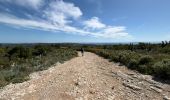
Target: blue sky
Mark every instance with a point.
(29, 21)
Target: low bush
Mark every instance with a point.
(133, 64)
(162, 69)
(165, 50)
(145, 60)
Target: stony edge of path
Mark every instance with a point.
(87, 78)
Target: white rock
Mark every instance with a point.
(166, 98)
(132, 86)
(156, 89)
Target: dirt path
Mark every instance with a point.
(87, 78)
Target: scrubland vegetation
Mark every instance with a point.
(153, 59)
(18, 61)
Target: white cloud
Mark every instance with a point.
(68, 9)
(31, 3)
(59, 12)
(109, 32)
(41, 25)
(116, 29)
(103, 30)
(59, 16)
(94, 23)
(114, 32)
(9, 19)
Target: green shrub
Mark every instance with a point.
(162, 69)
(3, 82)
(123, 58)
(19, 52)
(165, 50)
(40, 50)
(142, 69)
(145, 69)
(1, 51)
(145, 60)
(133, 64)
(4, 63)
(19, 79)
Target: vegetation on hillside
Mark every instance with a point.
(153, 59)
(17, 62)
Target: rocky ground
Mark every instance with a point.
(87, 78)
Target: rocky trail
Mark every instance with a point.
(87, 78)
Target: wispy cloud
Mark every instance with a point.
(41, 25)
(94, 23)
(31, 3)
(60, 16)
(114, 32)
(105, 31)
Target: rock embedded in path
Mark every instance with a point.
(134, 87)
(111, 97)
(113, 87)
(166, 98)
(121, 75)
(158, 86)
(77, 83)
(130, 73)
(92, 91)
(156, 89)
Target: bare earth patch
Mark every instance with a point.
(87, 78)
